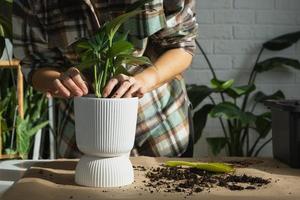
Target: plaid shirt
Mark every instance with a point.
(44, 32)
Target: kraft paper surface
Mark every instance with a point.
(55, 181)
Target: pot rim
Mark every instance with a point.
(92, 97)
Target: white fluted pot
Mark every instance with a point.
(104, 172)
(105, 128)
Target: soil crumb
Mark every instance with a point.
(191, 180)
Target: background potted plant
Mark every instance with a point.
(105, 127)
(237, 115)
(19, 120)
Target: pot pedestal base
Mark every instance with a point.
(95, 171)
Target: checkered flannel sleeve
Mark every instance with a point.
(181, 26)
(30, 38)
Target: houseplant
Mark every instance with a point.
(237, 120)
(105, 127)
(16, 128)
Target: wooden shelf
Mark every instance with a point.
(15, 64)
(9, 63)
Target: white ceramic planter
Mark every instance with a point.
(105, 132)
(104, 172)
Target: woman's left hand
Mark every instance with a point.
(123, 86)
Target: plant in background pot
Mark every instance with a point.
(105, 127)
(237, 115)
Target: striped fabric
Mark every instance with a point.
(45, 30)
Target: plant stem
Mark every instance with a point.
(207, 60)
(252, 78)
(220, 119)
(262, 146)
(253, 147)
(252, 75)
(96, 86)
(105, 75)
(245, 135)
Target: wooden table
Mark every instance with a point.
(55, 180)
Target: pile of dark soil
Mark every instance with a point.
(191, 180)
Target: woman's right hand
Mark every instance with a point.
(69, 84)
(60, 84)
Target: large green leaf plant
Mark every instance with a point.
(237, 120)
(16, 132)
(108, 52)
(35, 107)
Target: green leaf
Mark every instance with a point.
(197, 93)
(131, 60)
(113, 26)
(230, 111)
(121, 36)
(239, 91)
(261, 97)
(122, 70)
(221, 85)
(263, 124)
(33, 130)
(216, 144)
(83, 44)
(87, 64)
(282, 42)
(120, 47)
(277, 62)
(200, 119)
(211, 166)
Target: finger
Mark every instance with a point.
(110, 86)
(78, 80)
(122, 77)
(62, 90)
(72, 87)
(131, 91)
(138, 94)
(122, 89)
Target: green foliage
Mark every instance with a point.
(277, 62)
(25, 130)
(216, 144)
(231, 111)
(200, 118)
(282, 42)
(17, 138)
(108, 52)
(238, 119)
(35, 105)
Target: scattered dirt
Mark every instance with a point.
(191, 180)
(244, 163)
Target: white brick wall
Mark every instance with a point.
(231, 32)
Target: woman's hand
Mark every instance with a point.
(69, 84)
(123, 86)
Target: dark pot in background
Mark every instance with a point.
(286, 131)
